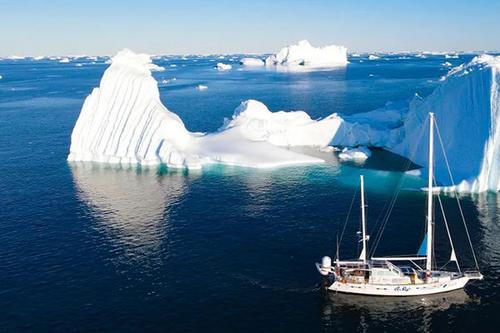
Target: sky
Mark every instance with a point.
(101, 27)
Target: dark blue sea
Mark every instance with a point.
(95, 248)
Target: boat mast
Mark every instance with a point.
(430, 240)
(363, 220)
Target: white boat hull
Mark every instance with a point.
(400, 290)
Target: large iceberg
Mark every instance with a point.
(305, 55)
(467, 110)
(124, 121)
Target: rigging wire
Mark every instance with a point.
(456, 196)
(390, 208)
(339, 241)
(447, 230)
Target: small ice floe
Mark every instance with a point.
(359, 154)
(447, 64)
(173, 65)
(221, 57)
(451, 56)
(165, 81)
(223, 67)
(252, 62)
(201, 87)
(156, 68)
(64, 60)
(328, 149)
(373, 57)
(0, 77)
(78, 65)
(37, 58)
(355, 55)
(371, 75)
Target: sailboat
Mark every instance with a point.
(399, 275)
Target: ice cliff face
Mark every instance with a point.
(303, 54)
(467, 110)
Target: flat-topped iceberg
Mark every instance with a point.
(305, 55)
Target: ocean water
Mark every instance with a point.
(87, 247)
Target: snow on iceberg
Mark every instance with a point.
(304, 54)
(467, 110)
(252, 62)
(288, 129)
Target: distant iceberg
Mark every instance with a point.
(305, 55)
(223, 67)
(252, 62)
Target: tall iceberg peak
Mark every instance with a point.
(306, 55)
(467, 110)
(124, 121)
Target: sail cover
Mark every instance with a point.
(422, 251)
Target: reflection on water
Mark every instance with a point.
(373, 311)
(131, 206)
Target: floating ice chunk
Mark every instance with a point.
(78, 65)
(15, 57)
(167, 81)
(1, 77)
(37, 58)
(451, 56)
(64, 60)
(328, 149)
(223, 67)
(359, 154)
(304, 54)
(447, 64)
(173, 65)
(201, 87)
(252, 62)
(373, 57)
(156, 68)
